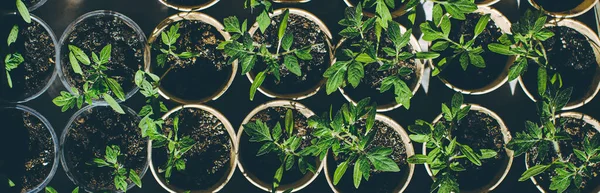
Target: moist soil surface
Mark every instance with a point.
(370, 84)
(91, 35)
(208, 161)
(572, 56)
(263, 167)
(380, 182)
(31, 151)
(558, 5)
(187, 2)
(480, 131)
(578, 130)
(305, 33)
(88, 136)
(210, 69)
(474, 77)
(37, 48)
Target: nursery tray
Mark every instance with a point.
(509, 102)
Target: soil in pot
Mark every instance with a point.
(578, 129)
(208, 161)
(210, 69)
(28, 151)
(570, 54)
(88, 136)
(379, 182)
(36, 46)
(370, 84)
(558, 5)
(480, 131)
(305, 33)
(263, 167)
(91, 35)
(474, 77)
(187, 2)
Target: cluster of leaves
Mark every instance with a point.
(23, 11)
(242, 47)
(113, 159)
(465, 51)
(169, 39)
(12, 61)
(50, 189)
(97, 83)
(348, 140)
(350, 65)
(284, 144)
(525, 42)
(445, 151)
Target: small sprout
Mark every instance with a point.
(12, 61)
(11, 183)
(23, 11)
(121, 174)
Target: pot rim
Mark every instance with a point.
(66, 131)
(582, 8)
(487, 3)
(571, 114)
(233, 157)
(504, 24)
(299, 184)
(395, 13)
(191, 16)
(414, 43)
(104, 13)
(291, 1)
(506, 137)
(184, 8)
(410, 151)
(593, 39)
(56, 59)
(55, 142)
(37, 5)
(310, 92)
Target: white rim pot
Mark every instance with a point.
(410, 151)
(499, 177)
(594, 40)
(267, 186)
(192, 16)
(300, 94)
(582, 8)
(189, 8)
(159, 177)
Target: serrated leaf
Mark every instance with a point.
(291, 63)
(355, 73)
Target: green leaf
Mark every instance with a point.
(113, 103)
(263, 21)
(277, 177)
(533, 171)
(357, 174)
(383, 163)
(180, 165)
(455, 166)
(232, 24)
(457, 101)
(276, 132)
(266, 148)
(120, 182)
(339, 172)
(304, 54)
(517, 69)
(76, 190)
(476, 60)
(447, 112)
(105, 54)
(14, 34)
(417, 159)
(248, 63)
(12, 184)
(487, 154)
(135, 178)
(48, 188)
(80, 55)
(23, 11)
(75, 64)
(289, 122)
(562, 181)
(100, 162)
(427, 55)
(356, 72)
(542, 79)
(291, 63)
(501, 49)
(470, 154)
(283, 25)
(335, 75)
(440, 46)
(258, 131)
(115, 88)
(481, 24)
(580, 154)
(258, 80)
(286, 42)
(445, 25)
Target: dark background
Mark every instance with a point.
(234, 104)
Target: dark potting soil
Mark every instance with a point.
(578, 130)
(264, 166)
(379, 182)
(480, 131)
(36, 46)
(558, 5)
(208, 161)
(305, 32)
(370, 84)
(210, 70)
(88, 136)
(91, 35)
(572, 56)
(29, 151)
(188, 2)
(473, 77)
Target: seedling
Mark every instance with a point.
(49, 189)
(346, 138)
(168, 51)
(97, 83)
(525, 42)
(350, 65)
(113, 159)
(284, 144)
(23, 11)
(241, 47)
(12, 61)
(444, 150)
(455, 8)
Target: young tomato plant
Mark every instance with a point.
(525, 42)
(12, 61)
(112, 159)
(444, 150)
(347, 139)
(242, 47)
(97, 83)
(284, 144)
(169, 49)
(349, 67)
